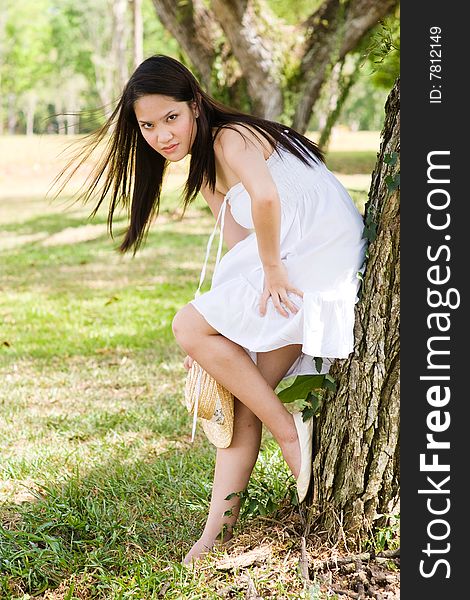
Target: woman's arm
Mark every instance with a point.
(245, 160)
(233, 232)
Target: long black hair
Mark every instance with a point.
(132, 172)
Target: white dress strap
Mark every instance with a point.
(221, 218)
(196, 405)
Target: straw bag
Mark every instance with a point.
(212, 404)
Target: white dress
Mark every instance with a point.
(323, 250)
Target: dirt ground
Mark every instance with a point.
(273, 553)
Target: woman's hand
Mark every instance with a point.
(188, 362)
(276, 286)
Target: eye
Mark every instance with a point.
(172, 117)
(146, 125)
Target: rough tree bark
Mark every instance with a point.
(356, 467)
(268, 50)
(194, 27)
(256, 45)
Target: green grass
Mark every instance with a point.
(347, 162)
(102, 492)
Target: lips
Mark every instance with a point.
(170, 148)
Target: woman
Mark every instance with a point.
(284, 292)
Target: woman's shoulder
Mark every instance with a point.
(236, 137)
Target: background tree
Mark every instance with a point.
(48, 71)
(137, 32)
(61, 57)
(374, 64)
(283, 65)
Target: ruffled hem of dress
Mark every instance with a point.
(304, 365)
(323, 325)
(332, 314)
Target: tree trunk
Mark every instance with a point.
(137, 32)
(12, 117)
(119, 42)
(269, 51)
(356, 467)
(195, 29)
(333, 30)
(31, 101)
(72, 104)
(61, 124)
(257, 41)
(343, 85)
(107, 38)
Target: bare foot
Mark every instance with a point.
(198, 551)
(201, 548)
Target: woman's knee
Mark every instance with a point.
(182, 326)
(189, 327)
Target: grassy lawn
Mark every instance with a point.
(101, 490)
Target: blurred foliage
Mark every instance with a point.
(365, 106)
(293, 12)
(379, 66)
(59, 51)
(24, 35)
(56, 58)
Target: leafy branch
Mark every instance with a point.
(309, 391)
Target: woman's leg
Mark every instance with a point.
(234, 464)
(233, 468)
(231, 366)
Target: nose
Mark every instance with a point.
(164, 137)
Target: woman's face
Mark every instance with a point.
(167, 125)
